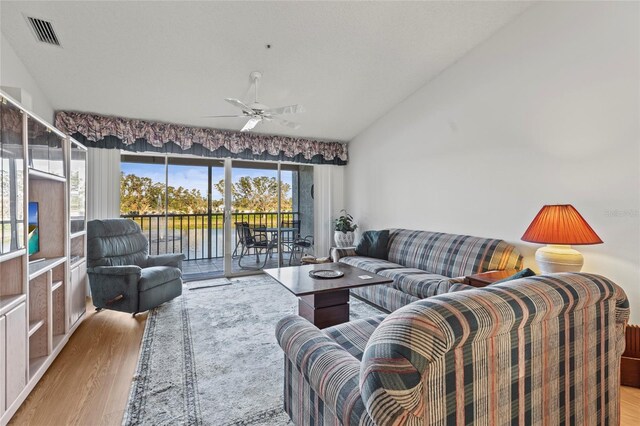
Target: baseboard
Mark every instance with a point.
(630, 362)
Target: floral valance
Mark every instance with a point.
(139, 136)
(10, 122)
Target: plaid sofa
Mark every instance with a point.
(424, 264)
(539, 350)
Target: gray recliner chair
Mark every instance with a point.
(122, 275)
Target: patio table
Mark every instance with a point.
(274, 234)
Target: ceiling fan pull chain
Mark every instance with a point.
(256, 80)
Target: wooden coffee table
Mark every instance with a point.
(324, 302)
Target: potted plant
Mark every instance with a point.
(344, 228)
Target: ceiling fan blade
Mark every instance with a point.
(289, 109)
(253, 121)
(222, 116)
(239, 104)
(287, 123)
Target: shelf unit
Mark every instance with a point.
(42, 266)
(35, 326)
(7, 303)
(77, 243)
(42, 290)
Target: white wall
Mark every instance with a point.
(544, 112)
(13, 73)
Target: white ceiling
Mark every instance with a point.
(347, 63)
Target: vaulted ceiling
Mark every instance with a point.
(347, 63)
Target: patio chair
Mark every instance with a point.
(300, 246)
(238, 226)
(259, 232)
(288, 238)
(297, 245)
(256, 240)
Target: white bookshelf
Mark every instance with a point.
(40, 291)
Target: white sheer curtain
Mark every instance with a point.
(328, 181)
(103, 184)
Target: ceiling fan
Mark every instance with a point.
(257, 112)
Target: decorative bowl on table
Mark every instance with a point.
(325, 274)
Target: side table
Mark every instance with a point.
(312, 260)
(485, 278)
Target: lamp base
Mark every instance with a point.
(558, 258)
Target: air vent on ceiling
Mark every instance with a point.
(43, 31)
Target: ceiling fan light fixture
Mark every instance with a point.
(258, 112)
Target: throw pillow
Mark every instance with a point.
(520, 274)
(374, 244)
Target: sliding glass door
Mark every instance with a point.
(194, 215)
(195, 206)
(255, 213)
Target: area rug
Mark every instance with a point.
(210, 357)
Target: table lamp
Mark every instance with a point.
(560, 226)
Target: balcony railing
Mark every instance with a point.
(200, 235)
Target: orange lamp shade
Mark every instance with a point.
(560, 224)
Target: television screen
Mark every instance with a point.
(34, 237)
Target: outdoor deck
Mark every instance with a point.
(212, 268)
(200, 237)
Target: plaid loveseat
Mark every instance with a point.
(424, 264)
(540, 350)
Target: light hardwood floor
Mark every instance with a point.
(630, 406)
(88, 384)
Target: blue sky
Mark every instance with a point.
(194, 176)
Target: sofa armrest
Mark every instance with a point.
(622, 317)
(622, 306)
(393, 364)
(338, 253)
(170, 259)
(331, 371)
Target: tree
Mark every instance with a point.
(142, 195)
(182, 200)
(258, 194)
